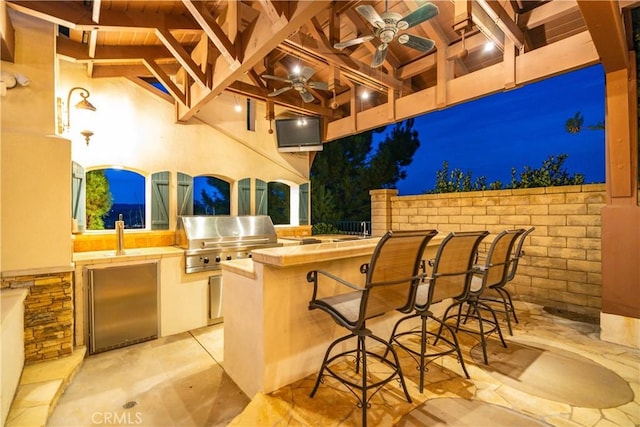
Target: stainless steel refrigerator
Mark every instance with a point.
(123, 304)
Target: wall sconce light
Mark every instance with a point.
(82, 106)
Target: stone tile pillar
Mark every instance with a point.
(381, 214)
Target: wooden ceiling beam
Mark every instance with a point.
(499, 15)
(487, 26)
(214, 32)
(604, 22)
(130, 70)
(547, 12)
(181, 55)
(166, 81)
(74, 15)
(151, 88)
(265, 36)
(78, 52)
(7, 35)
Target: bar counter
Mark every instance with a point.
(271, 339)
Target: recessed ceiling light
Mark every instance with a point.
(489, 46)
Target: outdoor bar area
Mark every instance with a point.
(517, 306)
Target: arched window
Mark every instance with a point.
(211, 196)
(112, 192)
(279, 203)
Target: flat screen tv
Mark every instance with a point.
(299, 134)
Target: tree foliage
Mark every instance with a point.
(551, 173)
(215, 202)
(98, 199)
(278, 202)
(573, 125)
(346, 170)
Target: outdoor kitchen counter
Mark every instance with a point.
(183, 297)
(271, 338)
(129, 255)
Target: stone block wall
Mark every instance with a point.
(562, 265)
(48, 315)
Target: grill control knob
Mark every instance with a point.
(205, 260)
(217, 258)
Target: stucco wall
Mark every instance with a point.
(137, 130)
(562, 266)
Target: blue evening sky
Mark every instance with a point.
(518, 128)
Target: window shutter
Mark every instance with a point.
(185, 194)
(244, 196)
(160, 201)
(261, 198)
(304, 204)
(78, 195)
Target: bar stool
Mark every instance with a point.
(501, 294)
(493, 272)
(450, 277)
(392, 277)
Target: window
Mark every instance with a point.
(211, 196)
(278, 203)
(111, 193)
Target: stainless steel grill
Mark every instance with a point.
(209, 240)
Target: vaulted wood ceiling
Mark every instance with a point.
(198, 49)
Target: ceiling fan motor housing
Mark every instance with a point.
(387, 28)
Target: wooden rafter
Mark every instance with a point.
(605, 24)
(265, 36)
(181, 55)
(214, 32)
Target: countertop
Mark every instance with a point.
(93, 257)
(288, 256)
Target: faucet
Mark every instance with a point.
(363, 224)
(120, 235)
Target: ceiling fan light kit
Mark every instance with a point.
(386, 27)
(300, 82)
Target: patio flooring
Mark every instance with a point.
(555, 371)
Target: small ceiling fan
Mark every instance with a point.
(387, 26)
(300, 82)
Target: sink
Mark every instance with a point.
(127, 252)
(347, 238)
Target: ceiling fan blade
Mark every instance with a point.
(306, 96)
(416, 42)
(318, 85)
(380, 55)
(369, 13)
(307, 72)
(352, 42)
(279, 91)
(268, 76)
(421, 14)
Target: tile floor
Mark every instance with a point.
(555, 372)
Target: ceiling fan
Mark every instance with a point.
(300, 82)
(387, 26)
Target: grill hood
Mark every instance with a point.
(210, 232)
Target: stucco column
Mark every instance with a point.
(381, 214)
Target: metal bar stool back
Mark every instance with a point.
(391, 280)
(494, 272)
(498, 293)
(450, 277)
